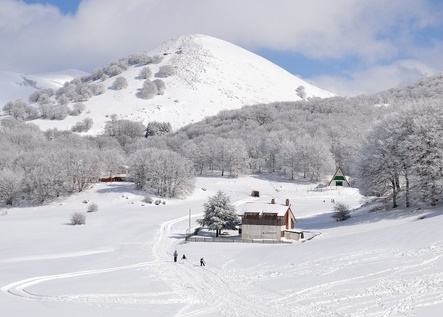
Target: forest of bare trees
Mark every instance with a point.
(390, 144)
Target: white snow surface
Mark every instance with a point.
(212, 75)
(120, 263)
(15, 86)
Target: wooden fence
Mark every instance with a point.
(234, 240)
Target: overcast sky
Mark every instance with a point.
(344, 46)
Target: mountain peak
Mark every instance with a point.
(210, 75)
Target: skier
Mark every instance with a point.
(175, 255)
(202, 262)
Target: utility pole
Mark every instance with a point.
(189, 220)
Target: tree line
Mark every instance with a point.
(389, 145)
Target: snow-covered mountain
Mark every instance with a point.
(211, 75)
(15, 86)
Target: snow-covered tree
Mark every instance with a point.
(149, 89)
(77, 109)
(301, 92)
(166, 172)
(119, 83)
(145, 73)
(196, 151)
(113, 70)
(166, 71)
(7, 108)
(98, 89)
(125, 131)
(11, 183)
(219, 214)
(426, 148)
(34, 96)
(161, 86)
(236, 158)
(112, 161)
(83, 125)
(157, 128)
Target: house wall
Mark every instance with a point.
(261, 232)
(293, 235)
(344, 183)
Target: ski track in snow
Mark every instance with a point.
(400, 281)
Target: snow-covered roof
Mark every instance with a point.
(260, 208)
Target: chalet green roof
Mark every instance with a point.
(339, 178)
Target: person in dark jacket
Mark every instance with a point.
(202, 262)
(175, 255)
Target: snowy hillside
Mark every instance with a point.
(211, 75)
(120, 263)
(19, 86)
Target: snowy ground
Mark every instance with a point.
(120, 263)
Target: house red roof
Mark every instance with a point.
(260, 208)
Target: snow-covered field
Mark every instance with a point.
(120, 263)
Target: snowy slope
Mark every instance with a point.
(15, 86)
(212, 75)
(120, 262)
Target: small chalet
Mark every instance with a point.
(268, 221)
(339, 179)
(120, 175)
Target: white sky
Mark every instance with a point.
(344, 46)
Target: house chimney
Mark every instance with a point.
(287, 202)
(272, 201)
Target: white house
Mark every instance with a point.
(268, 221)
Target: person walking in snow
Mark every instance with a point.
(202, 262)
(175, 255)
(184, 257)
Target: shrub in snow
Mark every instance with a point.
(158, 202)
(63, 99)
(58, 112)
(44, 99)
(301, 92)
(83, 126)
(156, 59)
(77, 109)
(33, 97)
(78, 218)
(148, 199)
(166, 71)
(8, 107)
(161, 86)
(113, 70)
(84, 92)
(98, 89)
(341, 212)
(3, 212)
(141, 59)
(93, 207)
(157, 128)
(119, 83)
(149, 89)
(145, 73)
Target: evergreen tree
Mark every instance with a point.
(219, 214)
